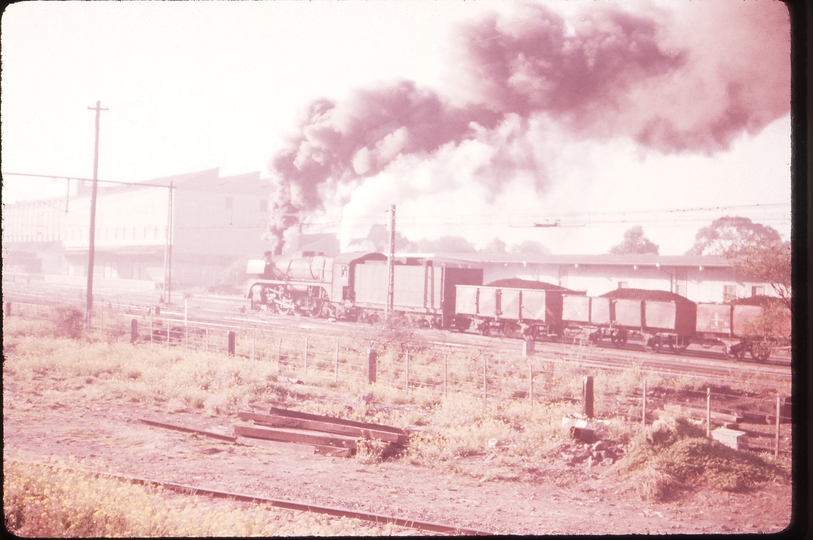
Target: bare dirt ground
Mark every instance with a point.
(560, 499)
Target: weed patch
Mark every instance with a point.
(674, 453)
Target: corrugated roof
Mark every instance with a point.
(603, 260)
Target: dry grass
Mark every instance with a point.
(50, 500)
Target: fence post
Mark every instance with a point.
(8, 309)
(166, 326)
(406, 373)
(485, 381)
(372, 356)
(150, 329)
(530, 383)
(708, 412)
(253, 341)
(231, 343)
(133, 330)
(776, 442)
(279, 350)
(306, 355)
(643, 414)
(587, 396)
(445, 373)
(336, 361)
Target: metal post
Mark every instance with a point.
(133, 330)
(150, 329)
(8, 309)
(336, 358)
(306, 355)
(406, 373)
(776, 442)
(445, 374)
(708, 412)
(643, 415)
(485, 381)
(587, 396)
(279, 351)
(390, 266)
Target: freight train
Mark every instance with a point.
(447, 294)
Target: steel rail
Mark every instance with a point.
(380, 519)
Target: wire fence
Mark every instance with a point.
(431, 371)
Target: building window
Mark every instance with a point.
(263, 205)
(729, 293)
(229, 201)
(758, 290)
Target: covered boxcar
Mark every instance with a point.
(423, 289)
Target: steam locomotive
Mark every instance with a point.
(450, 295)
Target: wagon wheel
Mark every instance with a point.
(484, 328)
(760, 351)
(509, 328)
(736, 351)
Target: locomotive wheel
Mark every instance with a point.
(315, 309)
(760, 351)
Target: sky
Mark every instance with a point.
(475, 118)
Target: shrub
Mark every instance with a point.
(69, 322)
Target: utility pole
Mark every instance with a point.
(390, 266)
(168, 249)
(92, 237)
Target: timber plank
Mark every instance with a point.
(307, 416)
(286, 435)
(723, 417)
(320, 425)
(297, 447)
(185, 429)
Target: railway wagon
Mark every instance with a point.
(739, 329)
(535, 312)
(423, 291)
(658, 321)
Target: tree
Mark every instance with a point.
(530, 247)
(768, 262)
(495, 246)
(635, 243)
(730, 232)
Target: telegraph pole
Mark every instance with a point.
(390, 266)
(92, 237)
(168, 249)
